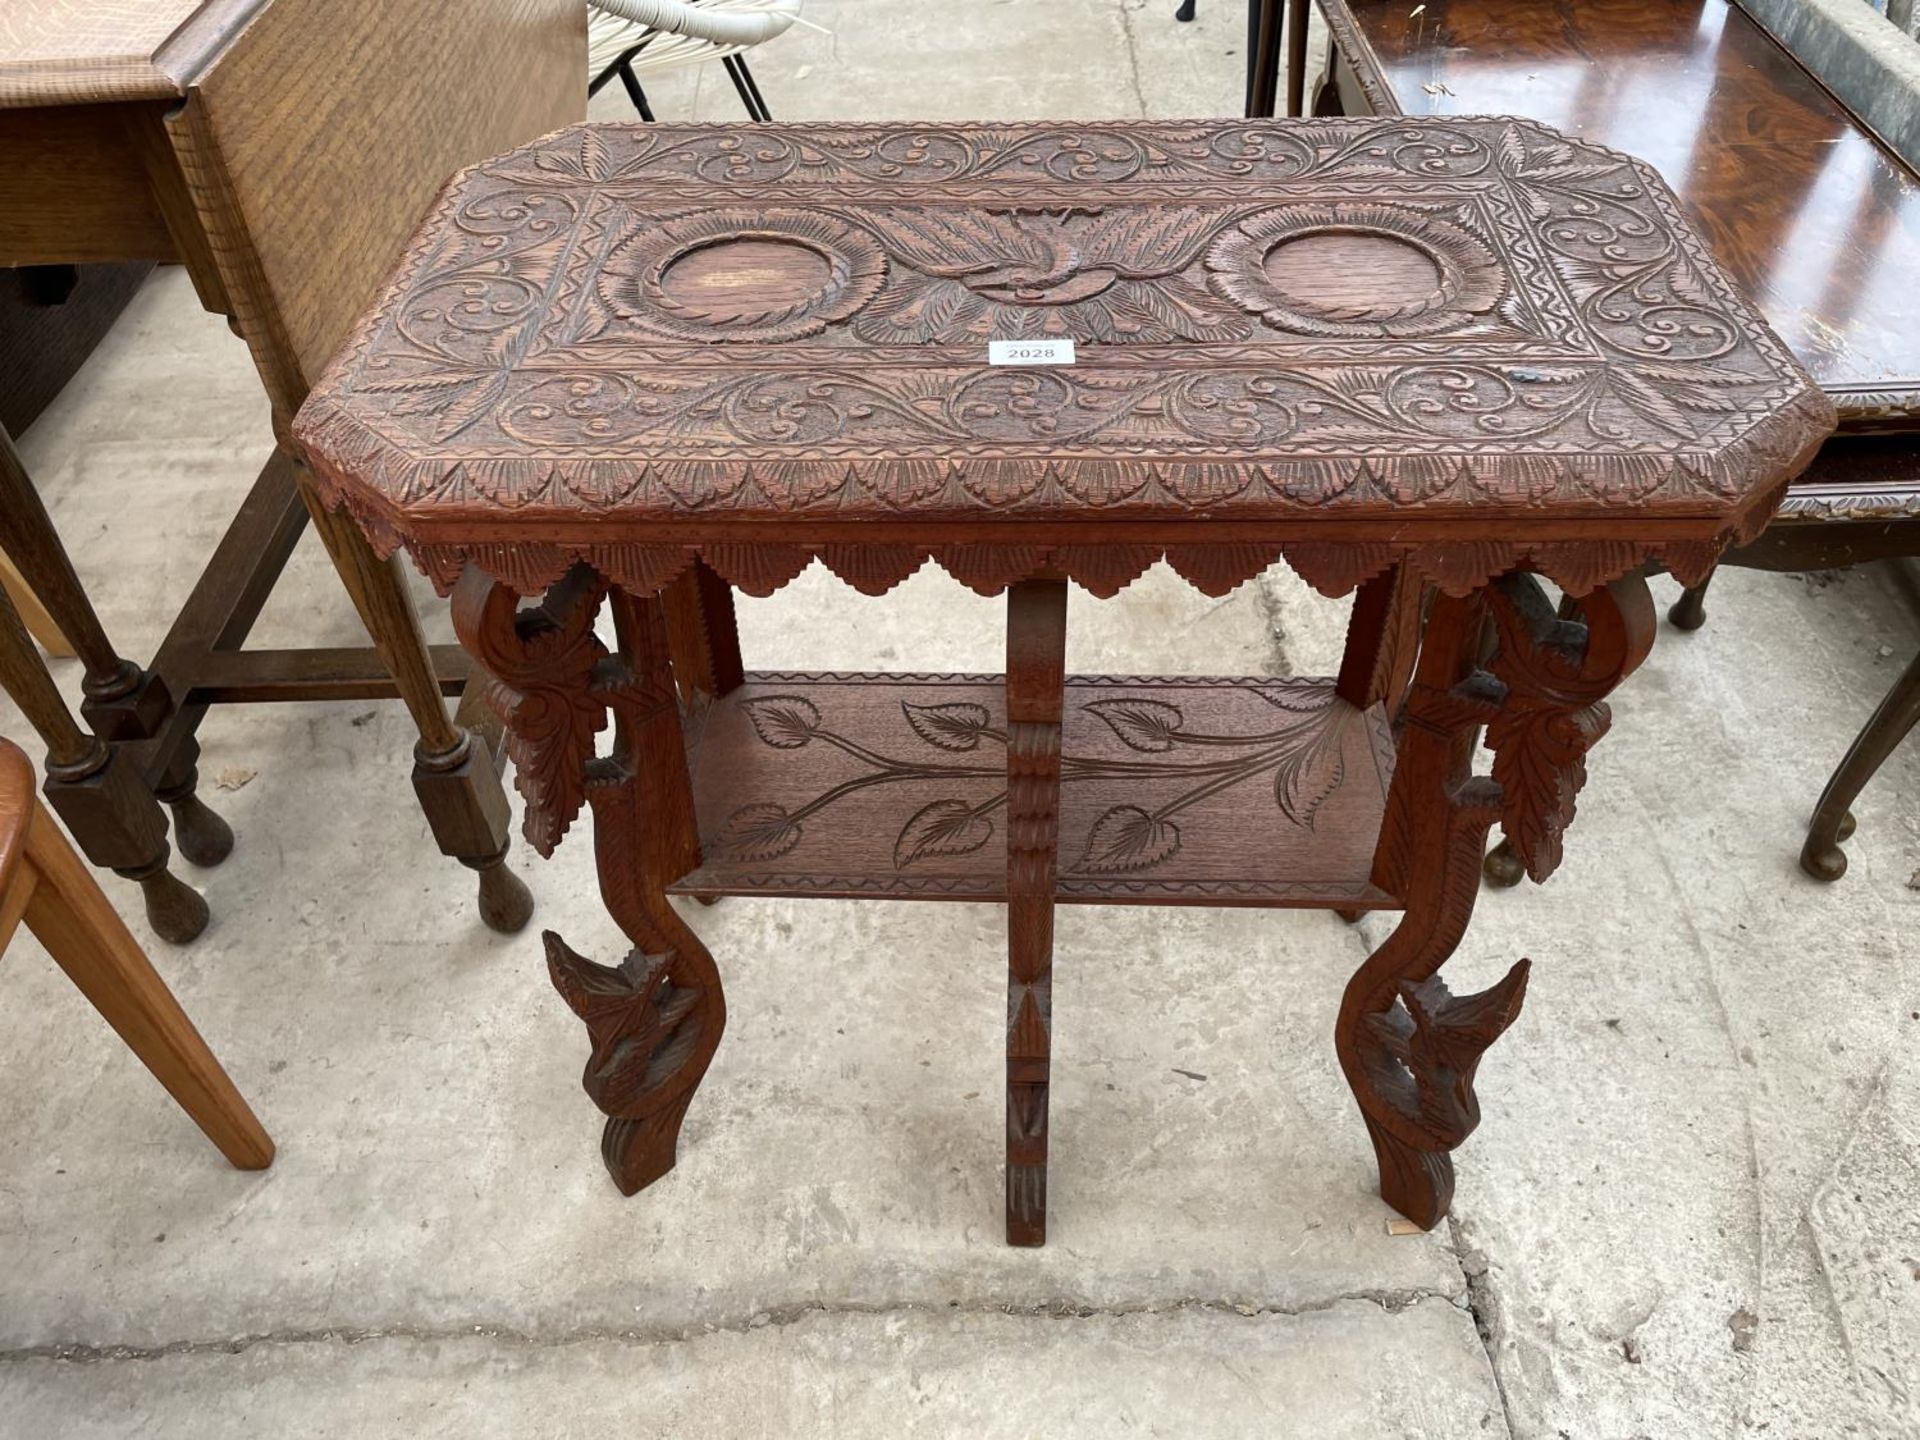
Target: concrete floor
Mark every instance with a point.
(1690, 1210)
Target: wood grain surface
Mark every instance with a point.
(1211, 792)
(1814, 220)
(317, 141)
(70, 52)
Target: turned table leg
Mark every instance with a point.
(655, 1020)
(98, 791)
(121, 701)
(1036, 681)
(1409, 1047)
(453, 772)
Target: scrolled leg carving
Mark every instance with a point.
(1409, 1047)
(654, 1021)
(1557, 673)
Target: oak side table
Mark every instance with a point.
(1432, 362)
(281, 151)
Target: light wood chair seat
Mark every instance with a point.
(46, 885)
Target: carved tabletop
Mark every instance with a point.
(639, 365)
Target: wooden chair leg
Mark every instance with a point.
(453, 773)
(122, 701)
(1263, 56)
(1036, 692)
(71, 917)
(1821, 857)
(40, 624)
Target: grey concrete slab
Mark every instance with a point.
(1685, 1182)
(1352, 1371)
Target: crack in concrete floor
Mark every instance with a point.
(1392, 1302)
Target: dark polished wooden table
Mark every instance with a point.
(1814, 219)
(1435, 363)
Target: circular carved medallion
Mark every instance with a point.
(1355, 268)
(743, 275)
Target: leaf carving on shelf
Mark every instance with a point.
(786, 722)
(944, 827)
(1150, 726)
(1127, 838)
(958, 725)
(758, 832)
(1312, 762)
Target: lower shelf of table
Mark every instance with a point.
(1174, 791)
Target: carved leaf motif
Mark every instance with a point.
(1659, 405)
(1539, 758)
(1128, 838)
(1309, 775)
(958, 725)
(609, 1000)
(550, 732)
(786, 722)
(1151, 726)
(1299, 700)
(758, 832)
(945, 827)
(955, 242)
(1174, 309)
(1148, 240)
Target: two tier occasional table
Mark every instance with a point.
(1432, 362)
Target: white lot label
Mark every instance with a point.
(1030, 352)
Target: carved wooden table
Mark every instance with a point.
(634, 367)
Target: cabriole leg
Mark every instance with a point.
(1898, 712)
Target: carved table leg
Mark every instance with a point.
(705, 639)
(98, 791)
(703, 633)
(1036, 679)
(1408, 1046)
(453, 773)
(654, 1021)
(122, 702)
